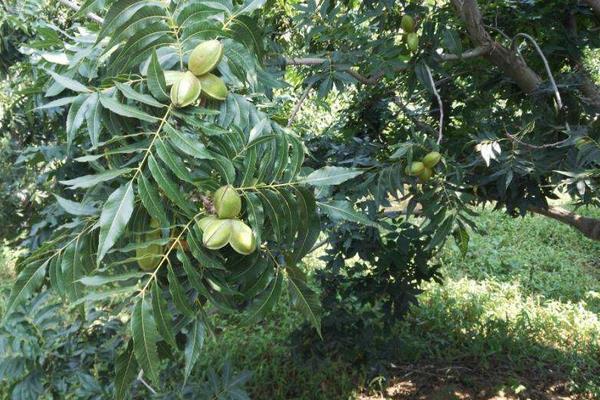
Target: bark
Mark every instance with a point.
(589, 227)
(504, 58)
(595, 5)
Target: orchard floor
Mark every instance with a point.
(516, 318)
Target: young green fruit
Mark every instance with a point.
(416, 168)
(227, 202)
(426, 174)
(242, 238)
(412, 39)
(206, 222)
(205, 57)
(149, 257)
(217, 234)
(213, 86)
(431, 159)
(582, 141)
(186, 90)
(173, 76)
(407, 23)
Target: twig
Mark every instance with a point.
(299, 103)
(141, 379)
(534, 146)
(546, 65)
(74, 6)
(440, 104)
(473, 53)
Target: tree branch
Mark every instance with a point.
(440, 104)
(534, 146)
(74, 6)
(299, 103)
(546, 64)
(595, 5)
(589, 227)
(376, 76)
(505, 59)
(473, 53)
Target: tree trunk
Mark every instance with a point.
(505, 59)
(595, 5)
(590, 227)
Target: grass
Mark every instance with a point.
(516, 317)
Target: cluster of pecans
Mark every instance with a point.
(187, 86)
(412, 38)
(424, 168)
(226, 228)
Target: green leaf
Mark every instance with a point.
(72, 270)
(452, 42)
(328, 176)
(132, 94)
(171, 160)
(75, 118)
(151, 200)
(101, 280)
(94, 119)
(114, 217)
(56, 277)
(125, 110)
(267, 299)
(180, 299)
(164, 319)
(75, 208)
(156, 79)
(145, 336)
(193, 346)
(309, 230)
(170, 189)
(139, 47)
(105, 294)
(441, 234)
(187, 144)
(69, 83)
(244, 29)
(343, 210)
(304, 297)
(63, 101)
(249, 6)
(120, 14)
(88, 181)
(126, 369)
(29, 280)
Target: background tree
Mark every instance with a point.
(508, 103)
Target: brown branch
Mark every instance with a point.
(505, 59)
(74, 6)
(546, 64)
(376, 76)
(299, 104)
(473, 53)
(534, 146)
(367, 80)
(595, 5)
(589, 227)
(440, 104)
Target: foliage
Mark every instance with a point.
(138, 172)
(492, 322)
(30, 155)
